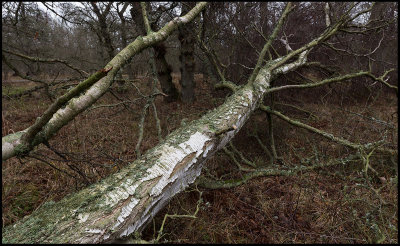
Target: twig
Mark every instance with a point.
(51, 165)
(271, 130)
(328, 135)
(174, 216)
(226, 184)
(257, 68)
(47, 60)
(141, 125)
(158, 124)
(250, 163)
(323, 82)
(263, 147)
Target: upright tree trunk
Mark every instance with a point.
(186, 37)
(164, 70)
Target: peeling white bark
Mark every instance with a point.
(125, 202)
(327, 18)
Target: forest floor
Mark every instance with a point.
(337, 204)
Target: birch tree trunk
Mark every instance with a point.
(125, 202)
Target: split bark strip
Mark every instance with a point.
(12, 145)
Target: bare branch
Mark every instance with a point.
(268, 44)
(327, 135)
(278, 171)
(383, 81)
(323, 82)
(47, 60)
(11, 142)
(28, 137)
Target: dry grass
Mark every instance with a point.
(329, 205)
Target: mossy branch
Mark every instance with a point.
(18, 73)
(240, 154)
(10, 149)
(323, 82)
(233, 158)
(226, 84)
(61, 101)
(226, 184)
(174, 216)
(211, 58)
(383, 81)
(143, 5)
(328, 135)
(268, 44)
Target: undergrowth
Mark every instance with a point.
(337, 204)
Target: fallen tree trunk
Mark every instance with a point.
(124, 202)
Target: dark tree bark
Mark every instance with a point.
(164, 70)
(186, 37)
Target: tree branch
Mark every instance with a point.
(27, 138)
(11, 142)
(257, 68)
(45, 60)
(327, 135)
